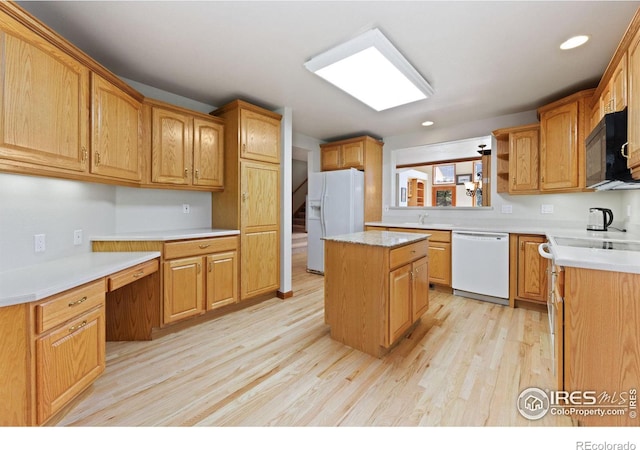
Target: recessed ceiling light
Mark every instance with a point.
(372, 70)
(427, 123)
(573, 42)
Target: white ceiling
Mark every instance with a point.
(484, 59)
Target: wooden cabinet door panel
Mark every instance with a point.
(330, 158)
(260, 263)
(559, 148)
(259, 137)
(633, 100)
(222, 280)
(45, 104)
(619, 85)
(208, 153)
(440, 263)
(182, 289)
(260, 195)
(420, 288)
(171, 146)
(353, 155)
(523, 161)
(116, 145)
(532, 269)
(68, 360)
(400, 287)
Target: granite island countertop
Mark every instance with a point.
(388, 239)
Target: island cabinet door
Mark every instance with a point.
(400, 287)
(420, 288)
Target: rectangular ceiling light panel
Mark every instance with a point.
(372, 70)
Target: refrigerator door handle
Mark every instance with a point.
(323, 226)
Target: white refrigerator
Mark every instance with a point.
(335, 205)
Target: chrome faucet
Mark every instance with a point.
(422, 218)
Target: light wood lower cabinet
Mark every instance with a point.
(183, 281)
(374, 294)
(439, 254)
(198, 275)
(51, 351)
(601, 335)
(68, 359)
(531, 269)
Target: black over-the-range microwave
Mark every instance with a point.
(606, 165)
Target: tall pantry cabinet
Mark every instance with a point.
(250, 201)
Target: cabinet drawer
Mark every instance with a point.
(196, 247)
(402, 255)
(62, 307)
(436, 235)
(132, 274)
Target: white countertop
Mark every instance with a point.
(568, 256)
(39, 281)
(388, 239)
(167, 235)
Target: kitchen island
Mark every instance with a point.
(376, 287)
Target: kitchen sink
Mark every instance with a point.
(599, 244)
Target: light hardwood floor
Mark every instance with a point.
(274, 364)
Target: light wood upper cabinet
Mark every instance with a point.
(116, 144)
(523, 160)
(259, 137)
(343, 155)
(44, 116)
(171, 146)
(330, 157)
(563, 127)
(208, 153)
(187, 148)
(362, 153)
(633, 117)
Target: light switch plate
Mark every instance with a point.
(507, 209)
(77, 237)
(546, 209)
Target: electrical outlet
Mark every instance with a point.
(546, 209)
(77, 237)
(507, 209)
(186, 208)
(39, 243)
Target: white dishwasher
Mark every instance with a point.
(480, 265)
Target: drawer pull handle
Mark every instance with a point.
(413, 251)
(77, 327)
(77, 302)
(138, 274)
(204, 245)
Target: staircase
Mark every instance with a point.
(299, 231)
(299, 220)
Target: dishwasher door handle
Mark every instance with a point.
(470, 235)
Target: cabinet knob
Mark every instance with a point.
(186, 173)
(197, 173)
(97, 158)
(204, 245)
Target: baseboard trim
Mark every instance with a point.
(284, 295)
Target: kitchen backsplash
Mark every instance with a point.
(56, 208)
